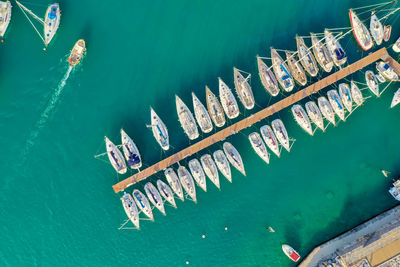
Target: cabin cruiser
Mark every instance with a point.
(396, 98)
(336, 103)
(356, 94)
(228, 100)
(186, 119)
(51, 22)
(376, 29)
(306, 57)
(259, 147)
(159, 129)
(345, 95)
(387, 30)
(243, 89)
(234, 157)
(77, 53)
(270, 139)
(395, 190)
(372, 82)
(296, 69)
(267, 77)
(360, 32)
(187, 182)
(335, 50)
(223, 164)
(166, 192)
(154, 196)
(321, 53)
(302, 119)
(387, 71)
(326, 109)
(315, 114)
(173, 181)
(215, 109)
(202, 116)
(115, 157)
(210, 169)
(5, 16)
(130, 209)
(396, 46)
(198, 173)
(143, 203)
(281, 133)
(291, 253)
(131, 152)
(281, 71)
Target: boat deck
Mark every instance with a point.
(258, 116)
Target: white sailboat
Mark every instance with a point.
(356, 94)
(335, 50)
(396, 46)
(306, 57)
(186, 119)
(115, 156)
(281, 71)
(131, 152)
(234, 157)
(187, 182)
(326, 109)
(228, 100)
(321, 53)
(376, 29)
(396, 98)
(302, 119)
(386, 71)
(173, 181)
(360, 32)
(166, 192)
(159, 129)
(143, 203)
(267, 78)
(202, 116)
(243, 89)
(215, 109)
(130, 209)
(372, 82)
(259, 147)
(281, 133)
(345, 95)
(270, 139)
(223, 164)
(295, 68)
(315, 114)
(336, 103)
(198, 173)
(210, 169)
(154, 196)
(5, 16)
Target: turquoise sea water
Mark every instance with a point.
(57, 204)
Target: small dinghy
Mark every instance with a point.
(281, 133)
(234, 157)
(306, 57)
(243, 89)
(143, 203)
(131, 151)
(396, 98)
(130, 209)
(296, 69)
(215, 109)
(154, 196)
(380, 78)
(223, 164)
(372, 82)
(281, 71)
(159, 129)
(166, 192)
(321, 53)
(345, 95)
(336, 103)
(315, 114)
(202, 116)
(335, 50)
(210, 169)
(356, 94)
(387, 71)
(173, 181)
(228, 100)
(77, 53)
(387, 30)
(267, 77)
(302, 119)
(291, 253)
(376, 29)
(198, 173)
(270, 139)
(326, 109)
(259, 147)
(186, 119)
(361, 33)
(115, 156)
(187, 182)
(396, 46)
(51, 22)
(5, 16)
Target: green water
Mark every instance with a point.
(57, 204)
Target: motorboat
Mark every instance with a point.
(387, 71)
(301, 118)
(259, 146)
(361, 33)
(356, 94)
(143, 203)
(243, 89)
(210, 169)
(223, 164)
(296, 69)
(345, 95)
(336, 103)
(396, 46)
(315, 114)
(166, 192)
(131, 152)
(186, 119)
(396, 98)
(159, 129)
(281, 133)
(77, 53)
(372, 82)
(174, 182)
(234, 157)
(321, 53)
(202, 116)
(130, 209)
(387, 30)
(395, 190)
(154, 196)
(291, 253)
(306, 57)
(228, 100)
(376, 29)
(215, 109)
(115, 156)
(187, 182)
(335, 50)
(198, 173)
(51, 22)
(267, 77)
(326, 109)
(281, 71)
(5, 16)
(380, 77)
(270, 139)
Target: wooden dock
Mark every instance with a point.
(260, 115)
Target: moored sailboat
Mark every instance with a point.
(321, 53)
(143, 203)
(130, 209)
(326, 109)
(259, 147)
(336, 103)
(315, 114)
(296, 69)
(186, 119)
(198, 173)
(131, 152)
(360, 32)
(281, 71)
(345, 95)
(376, 29)
(243, 89)
(174, 182)
(115, 156)
(267, 77)
(306, 58)
(281, 133)
(159, 129)
(335, 50)
(202, 116)
(51, 22)
(154, 196)
(166, 192)
(301, 118)
(270, 139)
(5, 16)
(215, 109)
(210, 169)
(396, 99)
(372, 82)
(387, 71)
(223, 164)
(187, 182)
(356, 94)
(228, 100)
(234, 157)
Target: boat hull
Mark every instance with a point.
(198, 173)
(267, 78)
(166, 192)
(174, 182)
(315, 114)
(360, 32)
(281, 133)
(154, 196)
(223, 164)
(234, 157)
(270, 139)
(259, 147)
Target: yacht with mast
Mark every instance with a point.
(386, 71)
(154, 196)
(210, 169)
(131, 152)
(267, 77)
(5, 16)
(215, 109)
(356, 94)
(115, 156)
(315, 114)
(396, 46)
(243, 88)
(198, 173)
(281, 133)
(326, 109)
(259, 147)
(143, 203)
(234, 157)
(166, 192)
(186, 119)
(336, 103)
(281, 71)
(360, 32)
(160, 131)
(396, 99)
(302, 119)
(173, 181)
(372, 82)
(77, 53)
(296, 69)
(51, 22)
(202, 116)
(345, 95)
(187, 182)
(306, 58)
(130, 209)
(223, 164)
(335, 50)
(270, 139)
(321, 53)
(376, 29)
(228, 100)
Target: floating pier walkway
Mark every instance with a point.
(258, 116)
